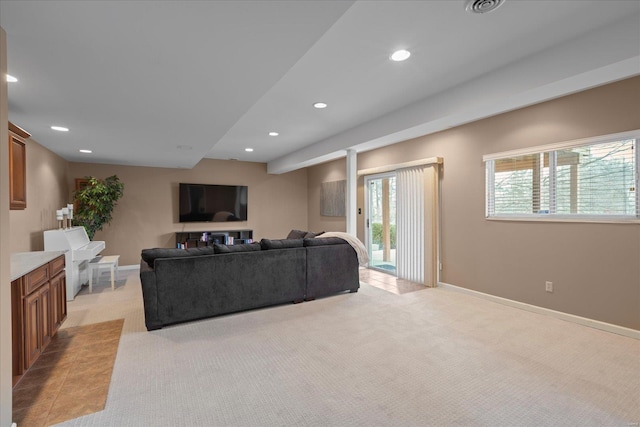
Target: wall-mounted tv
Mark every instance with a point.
(213, 203)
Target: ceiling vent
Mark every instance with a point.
(482, 6)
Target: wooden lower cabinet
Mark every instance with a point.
(59, 301)
(39, 322)
(32, 328)
(39, 306)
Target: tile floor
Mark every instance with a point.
(388, 282)
(71, 378)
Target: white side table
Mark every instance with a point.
(110, 261)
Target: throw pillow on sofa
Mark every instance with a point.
(150, 255)
(301, 234)
(247, 247)
(296, 234)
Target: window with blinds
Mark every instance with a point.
(594, 178)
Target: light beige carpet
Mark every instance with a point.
(427, 358)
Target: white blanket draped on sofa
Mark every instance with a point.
(361, 251)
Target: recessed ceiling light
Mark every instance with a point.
(11, 79)
(85, 151)
(60, 128)
(320, 105)
(248, 150)
(273, 134)
(400, 55)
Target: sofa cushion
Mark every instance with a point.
(247, 247)
(281, 243)
(324, 241)
(150, 255)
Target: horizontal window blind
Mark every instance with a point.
(592, 180)
(597, 180)
(521, 184)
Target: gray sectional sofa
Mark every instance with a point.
(180, 285)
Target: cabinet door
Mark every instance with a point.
(17, 331)
(46, 325)
(32, 328)
(55, 304)
(17, 173)
(63, 297)
(58, 302)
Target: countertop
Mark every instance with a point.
(24, 262)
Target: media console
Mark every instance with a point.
(198, 239)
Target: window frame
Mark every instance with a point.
(552, 149)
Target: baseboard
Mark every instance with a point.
(129, 267)
(608, 327)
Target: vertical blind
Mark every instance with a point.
(410, 224)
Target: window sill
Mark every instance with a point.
(596, 220)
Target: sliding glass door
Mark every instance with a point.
(406, 198)
(380, 221)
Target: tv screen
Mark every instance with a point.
(213, 203)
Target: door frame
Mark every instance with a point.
(367, 223)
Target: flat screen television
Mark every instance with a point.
(212, 203)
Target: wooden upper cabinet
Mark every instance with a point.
(17, 167)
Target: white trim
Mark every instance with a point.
(633, 134)
(439, 261)
(367, 209)
(637, 177)
(391, 168)
(365, 218)
(553, 176)
(431, 219)
(129, 267)
(596, 324)
(490, 189)
(352, 193)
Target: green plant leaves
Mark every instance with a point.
(95, 203)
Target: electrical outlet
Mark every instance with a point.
(548, 286)
(440, 266)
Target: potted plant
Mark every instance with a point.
(95, 203)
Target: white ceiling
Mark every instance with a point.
(168, 83)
